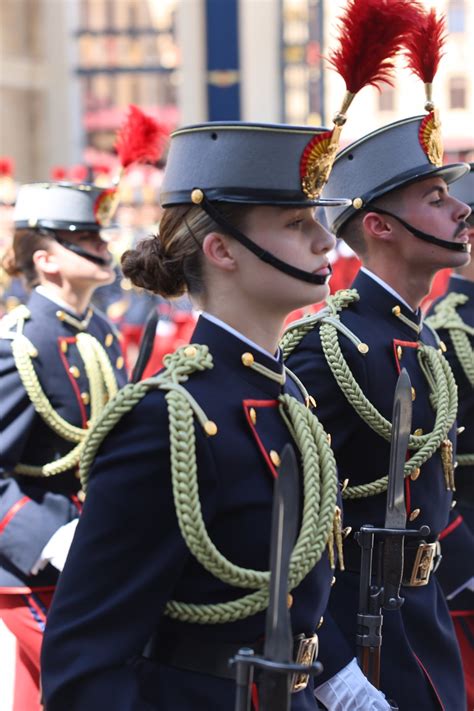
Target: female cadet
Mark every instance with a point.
(59, 362)
(175, 531)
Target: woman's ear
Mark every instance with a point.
(45, 262)
(217, 249)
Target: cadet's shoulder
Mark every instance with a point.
(339, 319)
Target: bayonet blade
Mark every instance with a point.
(278, 645)
(396, 515)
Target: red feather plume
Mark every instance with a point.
(6, 167)
(424, 45)
(78, 173)
(58, 173)
(141, 139)
(371, 32)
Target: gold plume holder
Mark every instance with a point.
(320, 153)
(430, 130)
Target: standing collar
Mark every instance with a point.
(250, 362)
(237, 334)
(51, 296)
(388, 288)
(387, 302)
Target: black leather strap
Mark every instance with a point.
(455, 246)
(258, 251)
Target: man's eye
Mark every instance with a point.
(295, 223)
(437, 202)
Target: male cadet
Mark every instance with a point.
(453, 318)
(404, 226)
(60, 362)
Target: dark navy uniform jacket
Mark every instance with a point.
(458, 560)
(33, 508)
(129, 558)
(421, 667)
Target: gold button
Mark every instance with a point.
(75, 372)
(357, 203)
(346, 531)
(413, 394)
(86, 398)
(289, 600)
(210, 428)
(442, 345)
(77, 474)
(190, 352)
(247, 359)
(415, 474)
(345, 484)
(310, 401)
(333, 581)
(119, 363)
(253, 415)
(64, 346)
(453, 503)
(460, 430)
(320, 623)
(197, 196)
(399, 352)
(109, 339)
(275, 457)
(396, 311)
(329, 439)
(418, 432)
(363, 348)
(81, 495)
(61, 315)
(414, 514)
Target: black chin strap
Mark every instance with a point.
(454, 246)
(262, 254)
(76, 249)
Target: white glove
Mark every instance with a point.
(349, 690)
(57, 548)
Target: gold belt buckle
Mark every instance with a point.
(423, 565)
(306, 654)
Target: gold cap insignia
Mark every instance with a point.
(106, 206)
(317, 161)
(430, 138)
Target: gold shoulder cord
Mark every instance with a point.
(446, 317)
(103, 386)
(320, 513)
(435, 368)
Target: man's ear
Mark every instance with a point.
(45, 261)
(378, 226)
(217, 249)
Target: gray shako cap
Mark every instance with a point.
(60, 206)
(463, 189)
(248, 163)
(382, 161)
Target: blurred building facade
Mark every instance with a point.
(69, 68)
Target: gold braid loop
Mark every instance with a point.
(103, 386)
(319, 483)
(435, 367)
(447, 318)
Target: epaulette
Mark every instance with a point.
(12, 323)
